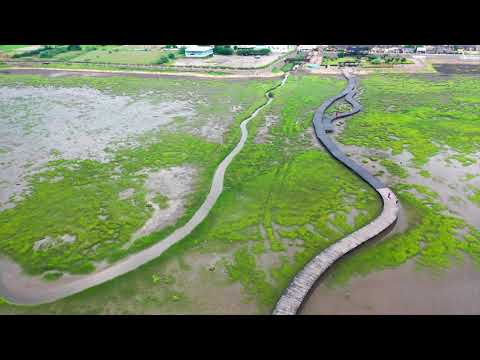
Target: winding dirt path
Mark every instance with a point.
(295, 294)
(23, 290)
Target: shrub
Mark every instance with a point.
(250, 52)
(171, 56)
(74, 47)
(222, 50)
(49, 51)
(287, 67)
(163, 60)
(31, 52)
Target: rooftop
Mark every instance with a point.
(196, 48)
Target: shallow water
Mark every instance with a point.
(38, 125)
(403, 290)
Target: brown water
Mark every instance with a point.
(403, 290)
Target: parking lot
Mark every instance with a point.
(229, 61)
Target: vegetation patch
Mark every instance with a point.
(425, 173)
(394, 169)
(475, 197)
(10, 48)
(81, 197)
(424, 115)
(161, 201)
(434, 239)
(429, 115)
(52, 276)
(283, 202)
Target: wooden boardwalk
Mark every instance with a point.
(302, 283)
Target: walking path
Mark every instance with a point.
(23, 290)
(302, 283)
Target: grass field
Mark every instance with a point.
(115, 54)
(337, 61)
(284, 200)
(121, 56)
(10, 48)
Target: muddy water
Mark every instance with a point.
(403, 290)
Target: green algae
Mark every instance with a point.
(81, 197)
(423, 115)
(161, 201)
(394, 169)
(418, 114)
(434, 240)
(283, 200)
(475, 197)
(425, 174)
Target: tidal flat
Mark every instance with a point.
(420, 134)
(78, 153)
(284, 200)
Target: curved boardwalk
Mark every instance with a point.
(23, 290)
(302, 283)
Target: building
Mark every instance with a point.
(408, 50)
(393, 50)
(307, 48)
(195, 51)
(360, 50)
(377, 50)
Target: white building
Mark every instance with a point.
(198, 51)
(307, 48)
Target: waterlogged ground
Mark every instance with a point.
(284, 200)
(92, 169)
(421, 136)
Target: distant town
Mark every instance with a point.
(204, 51)
(223, 59)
